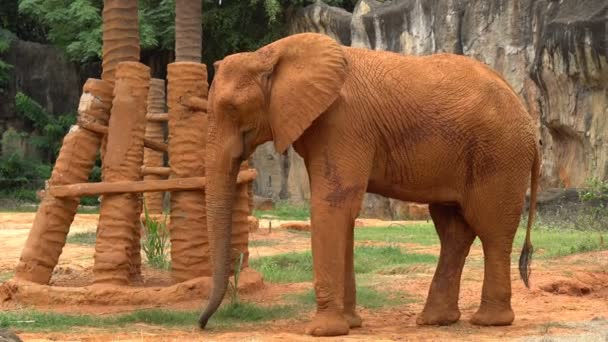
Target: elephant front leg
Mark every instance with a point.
(350, 292)
(329, 247)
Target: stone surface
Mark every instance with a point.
(554, 55)
(8, 336)
(262, 203)
(43, 73)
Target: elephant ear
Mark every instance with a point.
(306, 74)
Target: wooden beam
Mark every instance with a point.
(174, 184)
(155, 145)
(101, 129)
(156, 170)
(157, 117)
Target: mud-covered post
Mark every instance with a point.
(187, 126)
(73, 165)
(117, 254)
(155, 131)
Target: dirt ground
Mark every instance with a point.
(568, 298)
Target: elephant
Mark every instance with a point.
(441, 129)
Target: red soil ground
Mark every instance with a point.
(568, 296)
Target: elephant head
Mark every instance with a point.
(274, 93)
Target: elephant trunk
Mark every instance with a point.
(220, 193)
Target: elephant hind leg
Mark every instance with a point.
(456, 237)
(495, 219)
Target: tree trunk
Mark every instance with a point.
(188, 31)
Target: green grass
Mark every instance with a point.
(285, 211)
(262, 243)
(83, 238)
(367, 297)
(227, 315)
(552, 242)
(4, 276)
(297, 267)
(423, 234)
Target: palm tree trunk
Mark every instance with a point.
(188, 31)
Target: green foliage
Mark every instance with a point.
(82, 238)
(233, 288)
(51, 129)
(5, 43)
(17, 172)
(32, 320)
(74, 25)
(297, 267)
(233, 26)
(155, 241)
(596, 189)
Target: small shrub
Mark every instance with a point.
(233, 286)
(155, 241)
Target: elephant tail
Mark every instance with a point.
(525, 258)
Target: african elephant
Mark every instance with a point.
(441, 129)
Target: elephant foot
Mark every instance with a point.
(328, 324)
(437, 317)
(353, 319)
(486, 316)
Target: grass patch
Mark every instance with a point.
(297, 267)
(227, 315)
(263, 243)
(285, 211)
(423, 234)
(83, 238)
(554, 242)
(561, 242)
(4, 276)
(367, 297)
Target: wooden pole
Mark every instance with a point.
(123, 187)
(117, 251)
(187, 127)
(120, 41)
(74, 164)
(155, 131)
(162, 172)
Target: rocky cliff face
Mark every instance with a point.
(553, 53)
(43, 73)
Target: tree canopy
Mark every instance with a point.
(232, 26)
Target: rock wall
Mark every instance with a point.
(43, 73)
(553, 53)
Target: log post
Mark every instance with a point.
(117, 252)
(187, 127)
(155, 132)
(120, 41)
(74, 164)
